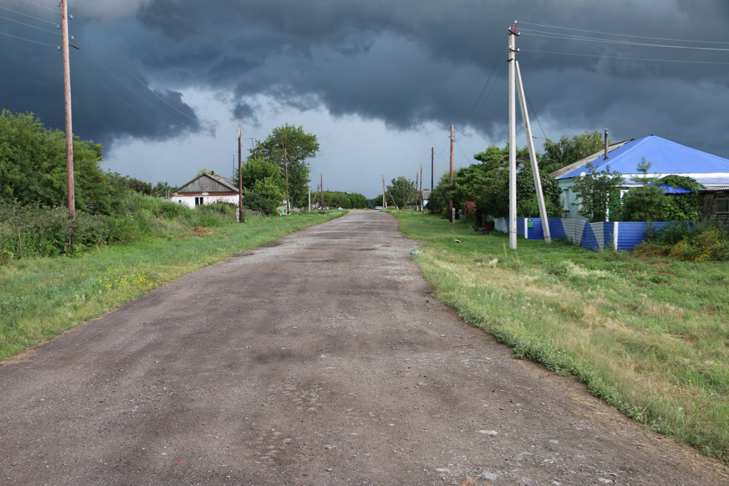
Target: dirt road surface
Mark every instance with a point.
(322, 360)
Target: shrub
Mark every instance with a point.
(33, 230)
(688, 242)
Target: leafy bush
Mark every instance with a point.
(266, 196)
(33, 230)
(691, 242)
(650, 203)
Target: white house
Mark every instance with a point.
(207, 188)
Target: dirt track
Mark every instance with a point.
(322, 360)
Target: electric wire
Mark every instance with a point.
(21, 14)
(622, 58)
(25, 39)
(31, 26)
(484, 93)
(615, 34)
(41, 5)
(151, 92)
(562, 36)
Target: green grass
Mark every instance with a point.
(648, 335)
(42, 297)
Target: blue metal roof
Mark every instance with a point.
(665, 157)
(669, 189)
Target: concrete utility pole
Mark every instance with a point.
(432, 168)
(321, 191)
(241, 208)
(533, 158)
(70, 185)
(384, 191)
(451, 207)
(513, 34)
(417, 197)
(309, 199)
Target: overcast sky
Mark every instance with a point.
(164, 84)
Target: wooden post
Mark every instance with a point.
(420, 192)
(70, 185)
(241, 207)
(432, 168)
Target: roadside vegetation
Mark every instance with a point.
(43, 296)
(647, 334)
(127, 237)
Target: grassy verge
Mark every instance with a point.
(648, 335)
(42, 297)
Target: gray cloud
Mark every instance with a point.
(407, 63)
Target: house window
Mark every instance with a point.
(199, 201)
(722, 205)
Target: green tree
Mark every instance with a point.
(257, 169)
(599, 193)
(289, 147)
(265, 196)
(33, 167)
(401, 192)
(651, 203)
(569, 150)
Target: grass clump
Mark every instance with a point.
(650, 335)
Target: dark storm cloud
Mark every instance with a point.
(406, 62)
(112, 96)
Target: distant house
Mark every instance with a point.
(207, 188)
(658, 157)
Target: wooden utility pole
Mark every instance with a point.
(451, 207)
(70, 185)
(321, 191)
(384, 192)
(417, 197)
(432, 168)
(420, 192)
(241, 208)
(513, 33)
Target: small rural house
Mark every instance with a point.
(206, 188)
(658, 157)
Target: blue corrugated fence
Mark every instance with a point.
(616, 235)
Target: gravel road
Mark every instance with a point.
(322, 359)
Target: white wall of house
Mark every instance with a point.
(189, 201)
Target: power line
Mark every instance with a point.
(564, 36)
(147, 89)
(615, 34)
(621, 58)
(42, 29)
(42, 6)
(25, 39)
(16, 12)
(485, 90)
